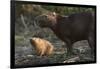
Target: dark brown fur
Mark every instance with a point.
(71, 28)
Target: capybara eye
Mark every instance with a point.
(45, 16)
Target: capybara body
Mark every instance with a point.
(42, 46)
(70, 28)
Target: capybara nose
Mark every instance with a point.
(30, 40)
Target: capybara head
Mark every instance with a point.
(32, 41)
(46, 20)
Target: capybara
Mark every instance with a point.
(42, 46)
(70, 28)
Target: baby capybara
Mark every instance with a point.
(42, 46)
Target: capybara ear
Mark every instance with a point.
(54, 13)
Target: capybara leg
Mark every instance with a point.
(49, 51)
(91, 41)
(38, 52)
(42, 53)
(69, 48)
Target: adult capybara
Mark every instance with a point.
(70, 28)
(42, 46)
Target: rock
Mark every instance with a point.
(30, 56)
(71, 60)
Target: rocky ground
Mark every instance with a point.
(25, 54)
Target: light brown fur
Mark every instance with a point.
(43, 47)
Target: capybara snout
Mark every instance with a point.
(30, 41)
